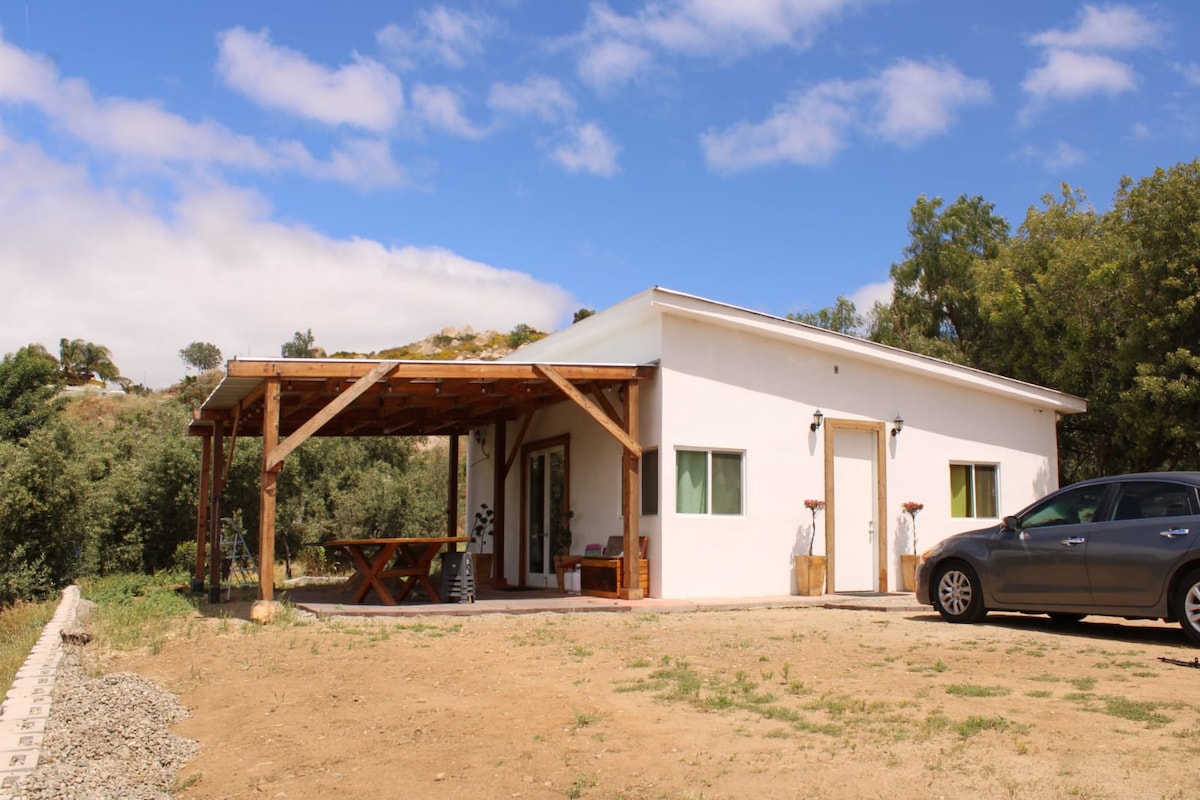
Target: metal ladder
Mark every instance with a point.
(242, 569)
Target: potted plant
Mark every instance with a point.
(810, 569)
(560, 548)
(482, 532)
(908, 561)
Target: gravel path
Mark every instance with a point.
(107, 737)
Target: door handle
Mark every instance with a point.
(1174, 533)
(1074, 540)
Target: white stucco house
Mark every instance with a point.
(747, 416)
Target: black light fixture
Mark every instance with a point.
(816, 423)
(897, 425)
(480, 437)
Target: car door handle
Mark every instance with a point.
(1074, 540)
(1174, 533)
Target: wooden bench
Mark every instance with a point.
(604, 576)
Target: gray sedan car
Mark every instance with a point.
(1124, 546)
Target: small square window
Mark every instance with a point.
(707, 480)
(973, 491)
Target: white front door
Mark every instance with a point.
(855, 511)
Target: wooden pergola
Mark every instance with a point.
(286, 401)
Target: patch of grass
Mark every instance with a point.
(638, 663)
(20, 627)
(1084, 684)
(581, 651)
(1135, 711)
(974, 690)
(975, 725)
(1040, 693)
(584, 719)
(135, 611)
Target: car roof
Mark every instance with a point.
(1182, 477)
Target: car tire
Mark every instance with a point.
(957, 593)
(1064, 617)
(1187, 605)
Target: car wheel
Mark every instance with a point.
(957, 595)
(1187, 605)
(1064, 617)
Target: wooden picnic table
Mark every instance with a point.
(373, 564)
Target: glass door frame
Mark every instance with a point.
(528, 452)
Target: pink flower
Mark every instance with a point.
(814, 505)
(912, 508)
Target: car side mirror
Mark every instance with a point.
(1011, 523)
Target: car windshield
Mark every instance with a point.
(1069, 508)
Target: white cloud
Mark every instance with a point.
(865, 297)
(441, 107)
(1113, 27)
(539, 96)
(364, 94)
(1063, 156)
(589, 150)
(448, 36)
(1190, 72)
(142, 133)
(1067, 75)
(615, 48)
(917, 100)
(1075, 62)
(611, 64)
(908, 103)
(219, 269)
(810, 129)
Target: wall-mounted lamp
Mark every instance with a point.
(816, 423)
(480, 437)
(897, 425)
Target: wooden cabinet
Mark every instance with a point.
(602, 577)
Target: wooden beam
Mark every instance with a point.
(276, 454)
(266, 519)
(516, 448)
(452, 490)
(214, 514)
(311, 368)
(602, 399)
(202, 509)
(631, 588)
(594, 411)
(499, 473)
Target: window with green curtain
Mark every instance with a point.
(727, 483)
(691, 482)
(985, 491)
(973, 490)
(960, 490)
(649, 469)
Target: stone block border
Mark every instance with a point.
(26, 707)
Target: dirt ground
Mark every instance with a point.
(782, 703)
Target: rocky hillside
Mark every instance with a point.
(451, 344)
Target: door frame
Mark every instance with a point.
(527, 450)
(880, 428)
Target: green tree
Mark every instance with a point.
(29, 384)
(935, 305)
(301, 346)
(583, 313)
(44, 495)
(81, 361)
(201, 356)
(842, 317)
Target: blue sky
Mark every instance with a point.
(234, 172)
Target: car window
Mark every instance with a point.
(1069, 508)
(1151, 499)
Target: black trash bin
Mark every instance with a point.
(458, 578)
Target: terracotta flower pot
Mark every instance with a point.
(908, 573)
(810, 575)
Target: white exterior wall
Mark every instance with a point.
(729, 390)
(733, 380)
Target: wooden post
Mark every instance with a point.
(214, 514)
(202, 511)
(499, 448)
(270, 471)
(631, 588)
(452, 489)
